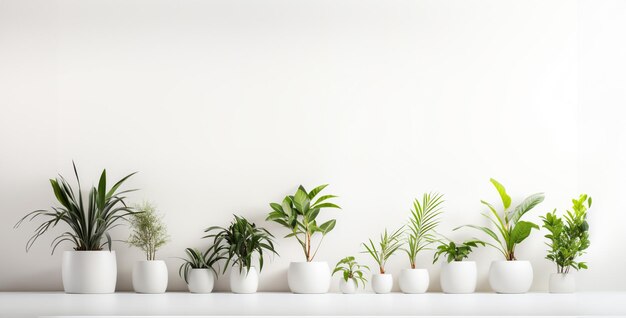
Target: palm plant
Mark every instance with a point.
(351, 270)
(241, 240)
(200, 260)
(511, 229)
(424, 220)
(299, 213)
(148, 232)
(570, 238)
(387, 246)
(89, 222)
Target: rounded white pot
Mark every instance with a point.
(414, 280)
(150, 277)
(458, 277)
(347, 287)
(89, 272)
(510, 277)
(382, 283)
(562, 283)
(308, 277)
(200, 280)
(244, 281)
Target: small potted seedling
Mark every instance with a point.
(351, 274)
(148, 233)
(198, 269)
(382, 282)
(457, 275)
(568, 240)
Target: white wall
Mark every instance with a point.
(225, 106)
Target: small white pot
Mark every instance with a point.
(308, 277)
(562, 283)
(414, 280)
(244, 281)
(200, 280)
(458, 277)
(347, 287)
(89, 272)
(510, 277)
(382, 283)
(150, 277)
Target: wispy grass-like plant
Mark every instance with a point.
(424, 220)
(148, 232)
(90, 221)
(387, 246)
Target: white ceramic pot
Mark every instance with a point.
(458, 277)
(150, 277)
(347, 287)
(414, 280)
(510, 277)
(308, 277)
(89, 272)
(382, 283)
(244, 281)
(200, 280)
(562, 283)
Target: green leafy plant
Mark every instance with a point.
(200, 260)
(241, 240)
(569, 238)
(148, 232)
(511, 230)
(299, 213)
(90, 221)
(424, 220)
(455, 252)
(387, 246)
(351, 270)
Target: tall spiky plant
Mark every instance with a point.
(89, 223)
(424, 220)
(387, 246)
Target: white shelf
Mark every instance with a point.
(286, 304)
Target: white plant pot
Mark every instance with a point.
(382, 283)
(562, 283)
(244, 281)
(200, 280)
(308, 277)
(458, 277)
(414, 280)
(89, 272)
(150, 277)
(510, 277)
(347, 287)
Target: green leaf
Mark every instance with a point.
(506, 199)
(317, 190)
(521, 231)
(301, 199)
(526, 205)
(327, 226)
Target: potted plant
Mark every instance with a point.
(299, 214)
(242, 241)
(510, 276)
(198, 269)
(457, 276)
(88, 268)
(352, 274)
(424, 219)
(568, 240)
(148, 233)
(382, 283)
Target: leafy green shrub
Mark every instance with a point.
(90, 221)
(200, 260)
(570, 238)
(387, 246)
(424, 220)
(299, 214)
(455, 252)
(241, 240)
(351, 269)
(148, 232)
(511, 230)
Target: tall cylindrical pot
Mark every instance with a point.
(89, 272)
(150, 277)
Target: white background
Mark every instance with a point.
(226, 106)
